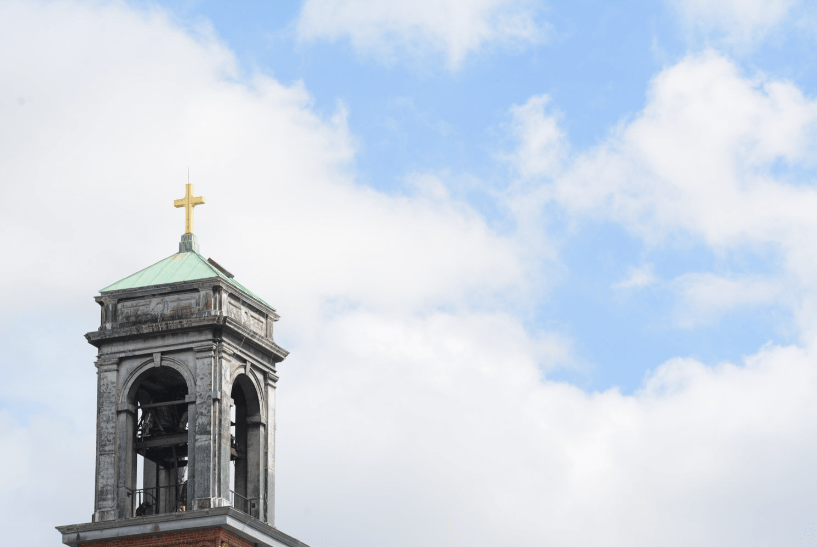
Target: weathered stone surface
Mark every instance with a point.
(105, 495)
(191, 528)
(214, 337)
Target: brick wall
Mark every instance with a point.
(209, 537)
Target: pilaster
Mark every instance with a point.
(270, 452)
(126, 460)
(191, 449)
(209, 488)
(222, 446)
(105, 506)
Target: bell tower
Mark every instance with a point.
(187, 376)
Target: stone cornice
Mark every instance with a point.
(240, 524)
(198, 284)
(99, 337)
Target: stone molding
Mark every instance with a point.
(202, 285)
(228, 518)
(107, 363)
(126, 407)
(260, 419)
(137, 371)
(204, 348)
(103, 516)
(115, 333)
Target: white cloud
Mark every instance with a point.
(699, 158)
(706, 297)
(642, 276)
(736, 22)
(542, 146)
(102, 146)
(714, 156)
(398, 425)
(115, 105)
(50, 489)
(390, 29)
(428, 185)
(445, 422)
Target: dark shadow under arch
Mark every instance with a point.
(246, 449)
(158, 432)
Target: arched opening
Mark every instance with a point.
(247, 430)
(159, 448)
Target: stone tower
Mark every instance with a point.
(186, 386)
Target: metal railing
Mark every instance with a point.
(157, 500)
(249, 506)
(171, 499)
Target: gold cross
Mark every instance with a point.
(188, 202)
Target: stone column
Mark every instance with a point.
(242, 448)
(149, 481)
(126, 459)
(204, 447)
(222, 441)
(268, 515)
(166, 496)
(105, 490)
(256, 463)
(191, 450)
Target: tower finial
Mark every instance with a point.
(188, 202)
(188, 242)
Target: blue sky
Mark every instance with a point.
(545, 269)
(415, 113)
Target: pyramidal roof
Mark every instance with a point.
(182, 266)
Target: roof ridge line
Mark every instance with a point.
(206, 262)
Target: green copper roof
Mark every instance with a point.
(186, 266)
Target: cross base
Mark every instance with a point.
(188, 244)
